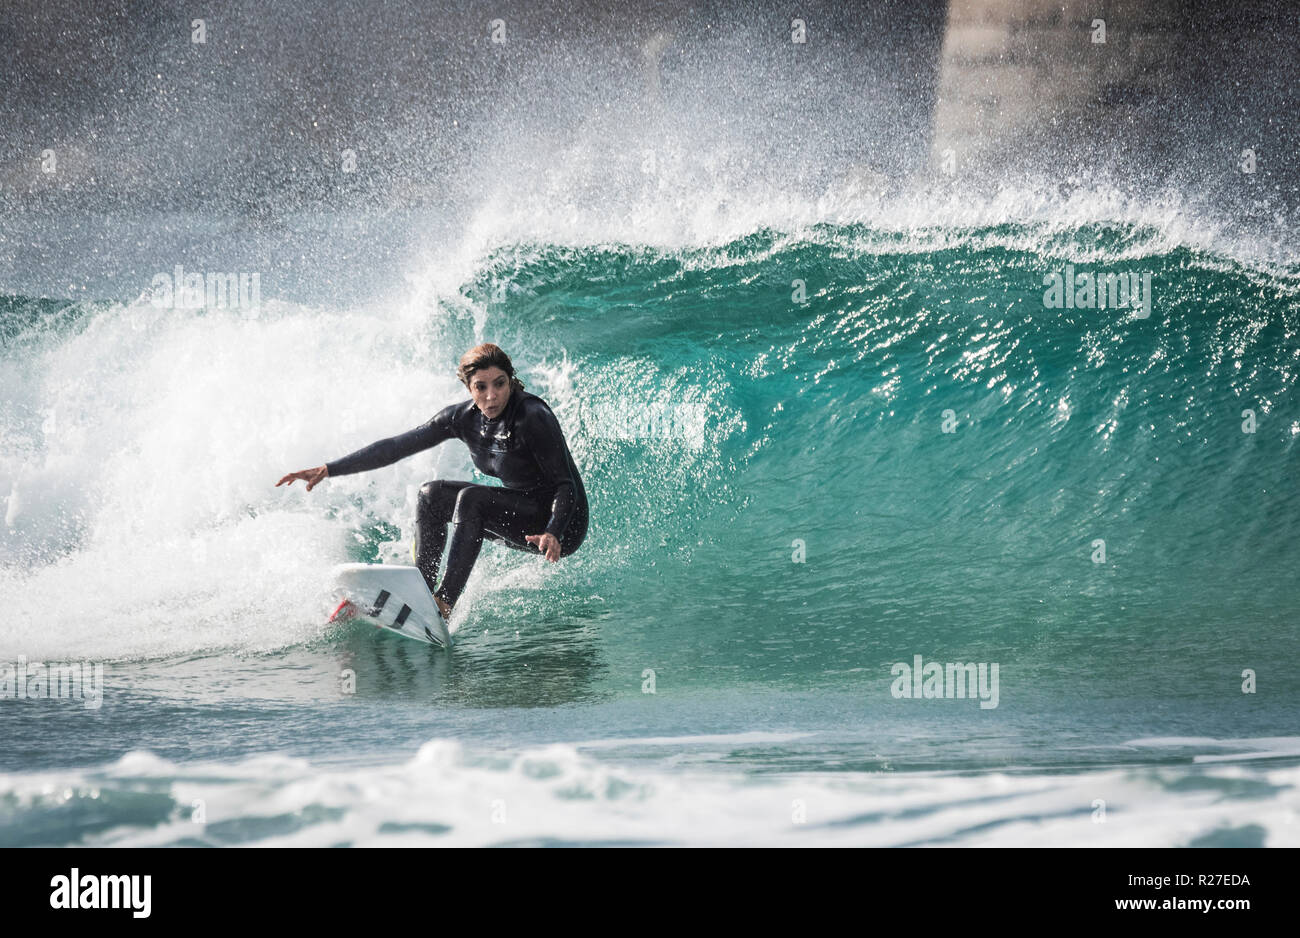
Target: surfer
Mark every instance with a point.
(512, 435)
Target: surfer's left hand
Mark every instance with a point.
(548, 544)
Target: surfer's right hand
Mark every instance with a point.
(313, 477)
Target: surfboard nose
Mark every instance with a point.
(395, 597)
(345, 610)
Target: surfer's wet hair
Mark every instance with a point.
(487, 355)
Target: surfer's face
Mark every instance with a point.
(490, 388)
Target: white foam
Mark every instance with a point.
(149, 522)
(557, 793)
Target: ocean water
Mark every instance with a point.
(818, 442)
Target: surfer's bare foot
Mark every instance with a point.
(442, 606)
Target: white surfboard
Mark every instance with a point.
(394, 597)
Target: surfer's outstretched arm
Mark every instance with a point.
(389, 451)
(382, 452)
(386, 452)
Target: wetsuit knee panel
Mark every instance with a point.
(437, 501)
(429, 493)
(468, 501)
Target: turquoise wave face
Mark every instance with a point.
(864, 446)
(809, 456)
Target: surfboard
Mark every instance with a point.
(394, 597)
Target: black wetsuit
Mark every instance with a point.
(524, 448)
